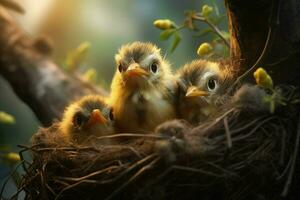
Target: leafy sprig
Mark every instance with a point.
(275, 98)
(171, 29)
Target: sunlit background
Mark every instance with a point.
(106, 24)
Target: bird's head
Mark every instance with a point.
(141, 65)
(90, 116)
(202, 81)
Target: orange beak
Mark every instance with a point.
(193, 91)
(96, 117)
(135, 70)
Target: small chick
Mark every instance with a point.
(90, 116)
(201, 85)
(142, 90)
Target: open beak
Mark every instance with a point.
(135, 70)
(96, 117)
(193, 91)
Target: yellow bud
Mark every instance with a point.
(204, 49)
(262, 78)
(206, 10)
(163, 24)
(13, 157)
(6, 118)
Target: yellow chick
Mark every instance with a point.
(201, 84)
(142, 90)
(90, 116)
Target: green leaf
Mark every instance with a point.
(166, 34)
(176, 41)
(203, 32)
(12, 6)
(6, 118)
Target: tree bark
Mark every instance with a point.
(270, 25)
(35, 78)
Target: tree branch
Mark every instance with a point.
(215, 28)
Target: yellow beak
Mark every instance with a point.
(193, 91)
(96, 117)
(135, 70)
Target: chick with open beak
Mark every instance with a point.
(201, 87)
(90, 116)
(142, 90)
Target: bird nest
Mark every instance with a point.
(241, 153)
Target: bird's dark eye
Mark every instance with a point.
(78, 119)
(154, 67)
(211, 84)
(120, 68)
(111, 114)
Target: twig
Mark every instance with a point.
(259, 59)
(286, 169)
(43, 182)
(247, 125)
(133, 135)
(194, 170)
(11, 175)
(253, 130)
(238, 130)
(217, 120)
(228, 134)
(135, 165)
(135, 176)
(216, 29)
(65, 149)
(132, 149)
(15, 196)
(220, 168)
(89, 175)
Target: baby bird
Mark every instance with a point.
(142, 90)
(201, 85)
(90, 116)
